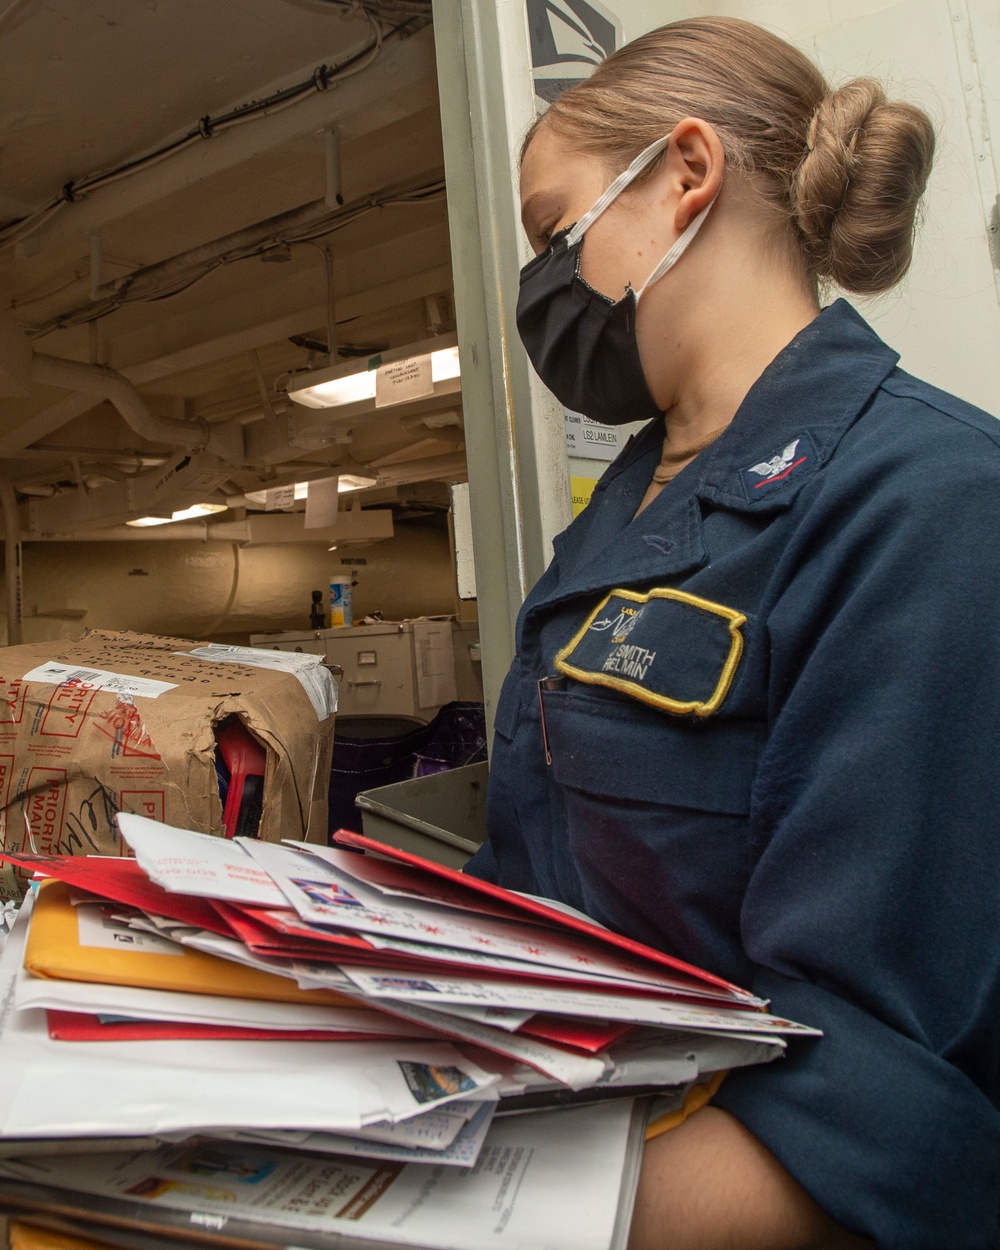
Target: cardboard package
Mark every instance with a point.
(123, 722)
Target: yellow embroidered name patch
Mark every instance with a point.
(667, 648)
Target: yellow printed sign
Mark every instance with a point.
(581, 488)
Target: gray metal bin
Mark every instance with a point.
(442, 817)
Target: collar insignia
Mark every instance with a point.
(759, 479)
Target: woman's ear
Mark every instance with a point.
(696, 161)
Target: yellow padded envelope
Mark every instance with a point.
(53, 951)
(27, 1237)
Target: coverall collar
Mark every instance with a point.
(812, 391)
(786, 429)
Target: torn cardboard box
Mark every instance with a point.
(126, 722)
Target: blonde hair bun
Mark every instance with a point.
(856, 193)
(840, 172)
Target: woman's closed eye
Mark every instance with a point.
(540, 217)
(542, 237)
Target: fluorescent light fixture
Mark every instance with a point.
(352, 389)
(444, 364)
(354, 481)
(345, 482)
(354, 382)
(186, 514)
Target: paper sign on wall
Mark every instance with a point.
(590, 440)
(581, 488)
(403, 380)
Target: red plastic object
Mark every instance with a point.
(246, 759)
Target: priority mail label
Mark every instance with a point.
(92, 679)
(45, 809)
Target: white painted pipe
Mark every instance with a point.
(106, 383)
(450, 468)
(38, 490)
(424, 421)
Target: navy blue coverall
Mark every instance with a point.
(777, 756)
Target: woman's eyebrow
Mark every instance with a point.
(533, 206)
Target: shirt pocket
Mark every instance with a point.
(617, 747)
(653, 811)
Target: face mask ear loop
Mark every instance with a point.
(615, 189)
(678, 249)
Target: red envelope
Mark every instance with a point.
(121, 880)
(537, 910)
(274, 933)
(578, 1034)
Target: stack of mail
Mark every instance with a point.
(369, 1006)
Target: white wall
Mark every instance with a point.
(945, 56)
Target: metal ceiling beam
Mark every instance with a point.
(403, 76)
(419, 264)
(268, 314)
(16, 435)
(259, 529)
(151, 280)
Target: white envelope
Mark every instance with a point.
(196, 863)
(461, 1149)
(146, 1004)
(430, 1138)
(402, 921)
(564, 1066)
(544, 949)
(56, 1089)
(427, 989)
(554, 1179)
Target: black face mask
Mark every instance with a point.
(583, 343)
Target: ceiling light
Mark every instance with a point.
(186, 514)
(354, 481)
(355, 382)
(352, 389)
(444, 364)
(345, 482)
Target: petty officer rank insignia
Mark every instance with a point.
(667, 648)
(790, 461)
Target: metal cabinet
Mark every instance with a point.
(389, 669)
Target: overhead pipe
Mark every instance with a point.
(99, 380)
(423, 421)
(451, 468)
(12, 563)
(38, 490)
(150, 279)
